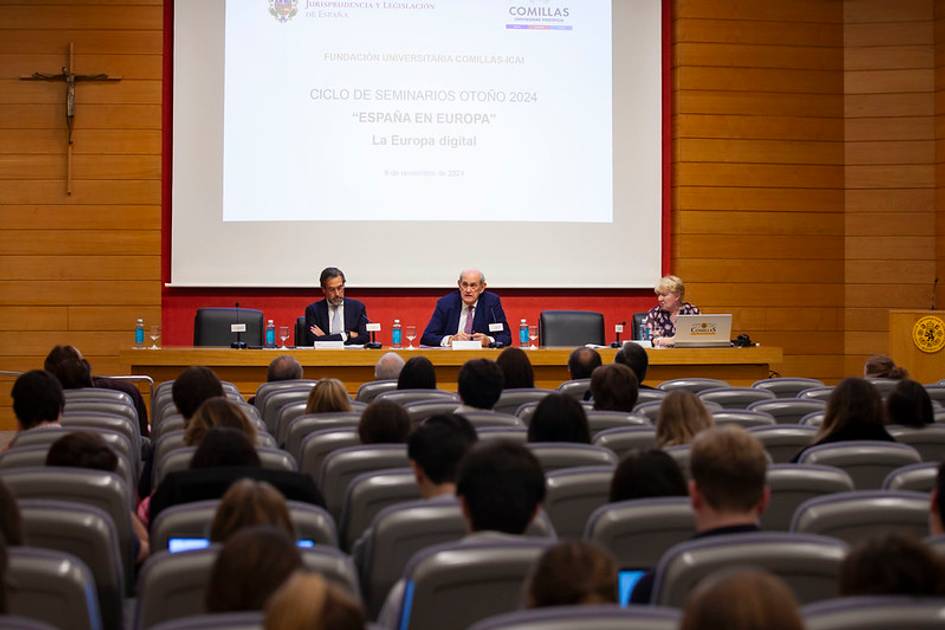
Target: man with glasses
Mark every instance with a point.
(471, 314)
(335, 318)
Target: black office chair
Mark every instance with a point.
(212, 326)
(570, 328)
(300, 331)
(637, 325)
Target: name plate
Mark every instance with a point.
(467, 345)
(496, 327)
(618, 328)
(329, 345)
(373, 327)
(240, 328)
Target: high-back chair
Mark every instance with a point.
(53, 587)
(639, 531)
(786, 387)
(856, 516)
(572, 494)
(792, 484)
(867, 462)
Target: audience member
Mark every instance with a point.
(388, 367)
(614, 388)
(11, 524)
(634, 356)
(582, 362)
(881, 366)
(746, 599)
(854, 412)
(516, 368)
(937, 505)
(646, 474)
(480, 385)
(559, 418)
(892, 564)
(38, 400)
(570, 574)
(682, 416)
(218, 412)
(248, 503)
(192, 387)
(384, 422)
(910, 405)
(253, 563)
(435, 449)
(329, 395)
(417, 373)
(308, 602)
(225, 446)
(72, 373)
(284, 368)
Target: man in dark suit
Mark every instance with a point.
(470, 314)
(335, 318)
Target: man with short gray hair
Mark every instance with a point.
(471, 314)
(388, 367)
(284, 368)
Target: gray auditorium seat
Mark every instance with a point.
(556, 455)
(512, 399)
(420, 411)
(35, 456)
(316, 447)
(117, 441)
(694, 385)
(855, 516)
(639, 531)
(573, 494)
(251, 620)
(786, 387)
(599, 421)
(277, 400)
(792, 484)
(304, 425)
(17, 622)
(179, 459)
(867, 462)
(493, 419)
(52, 587)
(371, 492)
(625, 440)
(743, 417)
(783, 441)
(514, 434)
(599, 617)
(914, 477)
(788, 410)
(265, 390)
(370, 390)
(888, 612)
(884, 386)
(575, 388)
(341, 466)
(821, 392)
(113, 407)
(410, 396)
(526, 411)
(570, 328)
(928, 440)
(735, 397)
(649, 410)
(814, 419)
(651, 395)
(212, 326)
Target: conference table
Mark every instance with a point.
(247, 368)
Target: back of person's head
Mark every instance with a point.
(729, 468)
(306, 601)
(82, 449)
(909, 405)
(516, 368)
(881, 366)
(388, 367)
(614, 388)
(559, 418)
(248, 503)
(892, 564)
(854, 401)
(417, 373)
(217, 412)
(284, 368)
(37, 398)
(253, 564)
(329, 395)
(438, 445)
(73, 373)
(58, 354)
(582, 362)
(634, 356)
(747, 599)
(501, 485)
(646, 474)
(192, 387)
(572, 573)
(11, 524)
(384, 422)
(225, 447)
(480, 383)
(682, 416)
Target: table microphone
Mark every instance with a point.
(239, 344)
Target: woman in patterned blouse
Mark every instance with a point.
(661, 320)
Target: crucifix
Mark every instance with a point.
(70, 79)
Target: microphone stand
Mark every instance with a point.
(373, 344)
(617, 343)
(239, 344)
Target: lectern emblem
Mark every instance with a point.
(283, 10)
(928, 334)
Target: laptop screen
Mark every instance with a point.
(627, 580)
(180, 543)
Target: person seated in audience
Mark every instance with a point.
(570, 574)
(192, 387)
(253, 563)
(306, 601)
(682, 416)
(892, 564)
(85, 449)
(646, 474)
(248, 503)
(328, 396)
(217, 412)
(910, 405)
(936, 505)
(614, 388)
(72, 373)
(480, 385)
(384, 422)
(388, 367)
(854, 412)
(634, 356)
(516, 368)
(728, 490)
(661, 319)
(743, 599)
(881, 366)
(582, 362)
(559, 418)
(282, 368)
(417, 373)
(38, 401)
(11, 524)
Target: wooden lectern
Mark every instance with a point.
(917, 343)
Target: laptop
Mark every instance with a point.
(703, 331)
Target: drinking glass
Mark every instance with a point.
(532, 335)
(283, 335)
(411, 335)
(155, 335)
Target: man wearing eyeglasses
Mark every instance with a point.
(335, 318)
(472, 313)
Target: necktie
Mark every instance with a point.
(336, 323)
(469, 321)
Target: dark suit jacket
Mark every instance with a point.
(316, 314)
(445, 319)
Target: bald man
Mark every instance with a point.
(472, 313)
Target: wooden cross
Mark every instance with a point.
(70, 80)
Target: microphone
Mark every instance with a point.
(494, 344)
(239, 327)
(617, 329)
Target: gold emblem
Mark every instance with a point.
(928, 334)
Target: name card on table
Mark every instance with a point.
(329, 345)
(495, 327)
(467, 345)
(373, 327)
(239, 328)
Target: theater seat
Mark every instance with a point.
(856, 516)
(786, 387)
(316, 447)
(792, 484)
(914, 477)
(570, 328)
(252, 620)
(601, 617)
(639, 531)
(212, 326)
(301, 427)
(16, 622)
(371, 492)
(341, 466)
(370, 390)
(867, 462)
(887, 612)
(623, 440)
(557, 455)
(573, 494)
(300, 331)
(53, 587)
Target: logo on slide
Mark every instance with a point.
(283, 10)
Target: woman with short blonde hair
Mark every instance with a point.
(328, 395)
(682, 416)
(217, 412)
(661, 319)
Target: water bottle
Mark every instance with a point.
(523, 333)
(395, 334)
(647, 332)
(270, 334)
(139, 333)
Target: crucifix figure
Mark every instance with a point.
(70, 79)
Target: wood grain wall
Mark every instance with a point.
(940, 152)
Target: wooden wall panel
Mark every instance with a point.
(939, 135)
